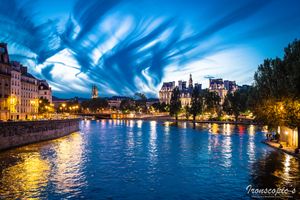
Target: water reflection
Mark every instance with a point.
(152, 143)
(69, 163)
(226, 152)
(128, 159)
(277, 170)
(35, 166)
(213, 128)
(25, 179)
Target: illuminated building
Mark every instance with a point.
(222, 87)
(45, 91)
(29, 92)
(217, 85)
(165, 92)
(19, 90)
(5, 77)
(94, 92)
(15, 94)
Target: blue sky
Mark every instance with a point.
(128, 46)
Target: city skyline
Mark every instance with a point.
(125, 47)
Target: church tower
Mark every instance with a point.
(191, 82)
(94, 92)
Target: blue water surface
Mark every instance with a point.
(128, 159)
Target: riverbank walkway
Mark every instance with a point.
(288, 150)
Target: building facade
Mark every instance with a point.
(16, 91)
(19, 90)
(165, 92)
(94, 92)
(5, 79)
(45, 91)
(222, 88)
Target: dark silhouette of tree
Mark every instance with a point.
(275, 97)
(187, 111)
(175, 103)
(43, 105)
(127, 105)
(197, 103)
(211, 101)
(161, 107)
(95, 105)
(140, 102)
(236, 102)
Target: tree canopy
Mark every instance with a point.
(275, 98)
(175, 103)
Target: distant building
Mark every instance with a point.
(185, 92)
(166, 92)
(94, 92)
(115, 101)
(222, 88)
(217, 85)
(230, 86)
(45, 91)
(244, 87)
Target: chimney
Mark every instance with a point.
(23, 70)
(4, 58)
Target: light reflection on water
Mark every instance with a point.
(128, 159)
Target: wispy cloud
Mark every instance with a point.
(135, 61)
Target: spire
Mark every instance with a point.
(191, 81)
(94, 92)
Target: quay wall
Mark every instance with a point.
(14, 134)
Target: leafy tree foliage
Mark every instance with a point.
(187, 110)
(140, 102)
(275, 98)
(43, 104)
(127, 105)
(95, 104)
(197, 103)
(212, 101)
(161, 107)
(175, 103)
(236, 102)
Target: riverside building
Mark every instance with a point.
(222, 87)
(19, 90)
(185, 89)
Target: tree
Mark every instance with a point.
(127, 105)
(175, 103)
(140, 102)
(187, 110)
(236, 102)
(44, 104)
(212, 101)
(276, 94)
(161, 107)
(95, 105)
(197, 103)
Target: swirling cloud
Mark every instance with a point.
(120, 46)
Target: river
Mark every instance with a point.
(135, 159)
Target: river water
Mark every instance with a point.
(118, 159)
